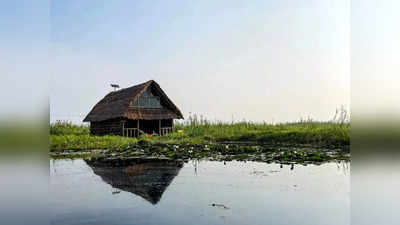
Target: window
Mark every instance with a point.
(147, 100)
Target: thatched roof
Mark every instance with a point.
(116, 105)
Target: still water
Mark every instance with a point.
(200, 192)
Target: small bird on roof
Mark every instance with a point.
(115, 86)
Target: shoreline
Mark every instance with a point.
(215, 152)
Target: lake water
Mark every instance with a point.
(200, 192)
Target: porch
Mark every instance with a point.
(135, 128)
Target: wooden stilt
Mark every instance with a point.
(159, 127)
(123, 127)
(138, 126)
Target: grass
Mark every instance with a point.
(314, 133)
(67, 128)
(83, 142)
(332, 134)
(66, 136)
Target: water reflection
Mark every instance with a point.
(343, 166)
(148, 180)
(206, 192)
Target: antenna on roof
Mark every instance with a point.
(115, 86)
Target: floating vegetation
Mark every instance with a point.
(219, 152)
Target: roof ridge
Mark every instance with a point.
(132, 86)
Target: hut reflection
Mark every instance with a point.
(148, 180)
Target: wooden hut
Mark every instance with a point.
(140, 109)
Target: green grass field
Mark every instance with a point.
(66, 136)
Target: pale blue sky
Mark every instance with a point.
(260, 60)
(264, 60)
(24, 54)
(375, 48)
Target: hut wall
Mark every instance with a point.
(114, 127)
(130, 123)
(167, 123)
(149, 126)
(108, 127)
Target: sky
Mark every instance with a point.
(375, 49)
(272, 61)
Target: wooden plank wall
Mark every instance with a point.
(110, 127)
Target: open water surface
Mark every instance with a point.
(200, 192)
